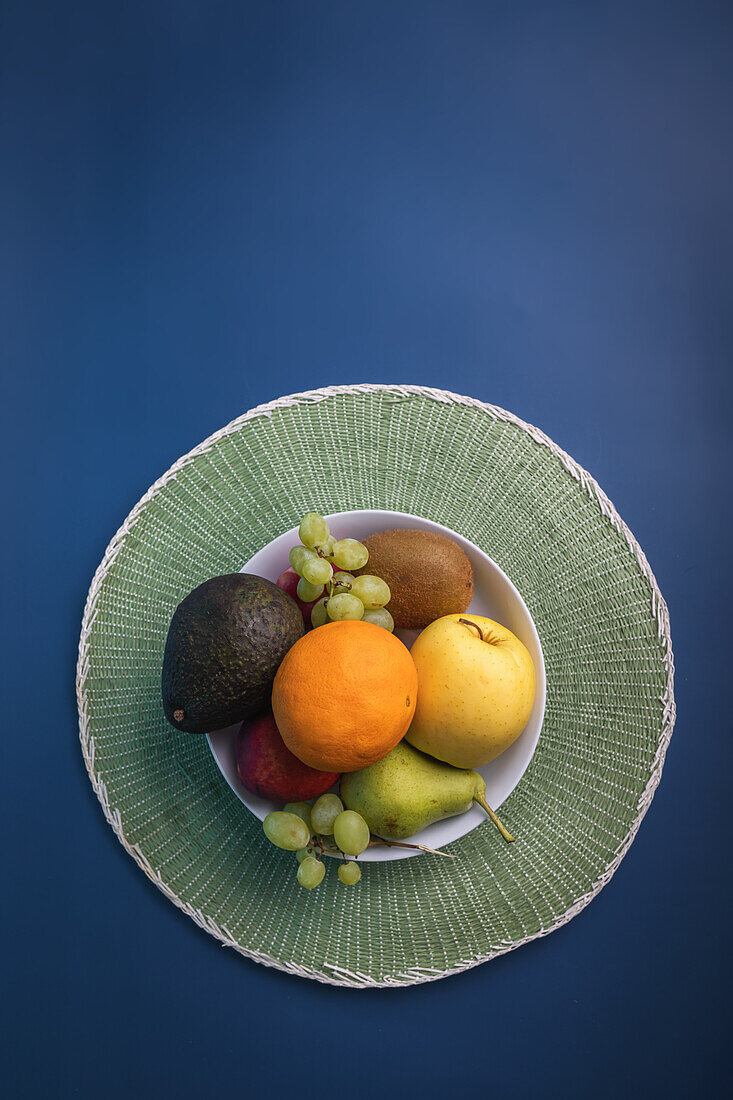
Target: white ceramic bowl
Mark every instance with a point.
(494, 596)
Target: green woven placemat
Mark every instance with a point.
(599, 613)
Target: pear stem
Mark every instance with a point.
(481, 799)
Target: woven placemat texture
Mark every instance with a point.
(602, 622)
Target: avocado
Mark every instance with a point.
(224, 645)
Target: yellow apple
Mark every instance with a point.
(475, 690)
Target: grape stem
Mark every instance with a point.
(379, 842)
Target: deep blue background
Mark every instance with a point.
(207, 205)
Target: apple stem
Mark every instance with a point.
(468, 622)
(481, 799)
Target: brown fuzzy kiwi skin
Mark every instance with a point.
(428, 574)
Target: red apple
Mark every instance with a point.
(288, 581)
(268, 768)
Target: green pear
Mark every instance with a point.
(407, 790)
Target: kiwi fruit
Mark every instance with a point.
(428, 574)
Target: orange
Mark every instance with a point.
(344, 695)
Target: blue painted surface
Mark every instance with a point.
(205, 206)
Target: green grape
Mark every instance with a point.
(319, 615)
(306, 853)
(350, 554)
(372, 591)
(311, 872)
(298, 556)
(342, 582)
(380, 616)
(317, 570)
(349, 873)
(344, 606)
(327, 547)
(324, 812)
(308, 592)
(313, 529)
(351, 833)
(300, 809)
(286, 831)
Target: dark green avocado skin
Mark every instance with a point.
(225, 643)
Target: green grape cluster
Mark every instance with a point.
(324, 565)
(309, 831)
